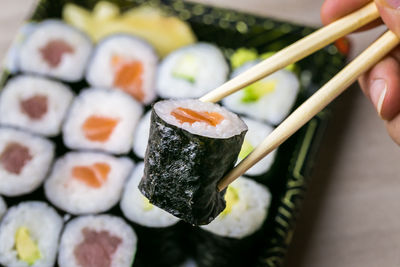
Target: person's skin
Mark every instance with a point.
(381, 84)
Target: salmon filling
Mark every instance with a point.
(191, 116)
(94, 176)
(34, 107)
(97, 248)
(14, 157)
(128, 77)
(54, 51)
(97, 128)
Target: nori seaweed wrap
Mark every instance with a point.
(192, 145)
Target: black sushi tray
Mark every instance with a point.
(230, 30)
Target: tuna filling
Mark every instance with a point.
(14, 157)
(96, 249)
(54, 50)
(34, 107)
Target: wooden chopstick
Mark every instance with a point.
(315, 104)
(296, 51)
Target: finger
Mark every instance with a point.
(382, 86)
(393, 128)
(390, 13)
(332, 10)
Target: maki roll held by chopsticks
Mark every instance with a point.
(191, 147)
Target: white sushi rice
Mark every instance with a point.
(3, 207)
(247, 215)
(210, 66)
(101, 73)
(137, 208)
(44, 226)
(255, 135)
(72, 65)
(110, 104)
(10, 62)
(72, 237)
(231, 125)
(59, 98)
(142, 135)
(76, 197)
(35, 170)
(273, 107)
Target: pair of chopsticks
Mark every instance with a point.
(323, 96)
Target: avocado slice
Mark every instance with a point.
(247, 148)
(27, 250)
(146, 204)
(255, 91)
(231, 198)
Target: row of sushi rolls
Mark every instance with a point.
(75, 117)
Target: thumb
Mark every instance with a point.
(390, 13)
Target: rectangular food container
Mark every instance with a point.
(231, 30)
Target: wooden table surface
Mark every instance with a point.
(351, 214)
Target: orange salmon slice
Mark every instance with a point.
(97, 128)
(94, 176)
(128, 76)
(191, 116)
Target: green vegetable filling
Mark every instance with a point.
(243, 55)
(27, 249)
(247, 148)
(231, 198)
(257, 90)
(146, 204)
(186, 68)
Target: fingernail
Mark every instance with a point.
(393, 3)
(378, 92)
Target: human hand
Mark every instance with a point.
(381, 84)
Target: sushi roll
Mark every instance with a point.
(24, 161)
(29, 234)
(83, 182)
(192, 71)
(126, 63)
(97, 241)
(35, 104)
(158, 231)
(255, 135)
(56, 50)
(102, 119)
(233, 234)
(269, 99)
(142, 135)
(192, 145)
